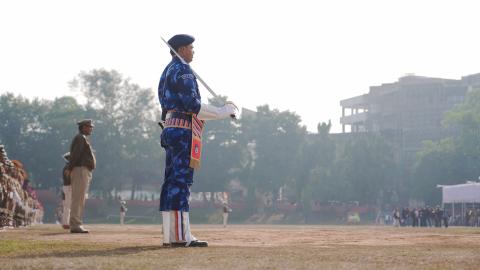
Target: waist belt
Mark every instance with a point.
(188, 121)
(178, 120)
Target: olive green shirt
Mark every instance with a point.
(81, 153)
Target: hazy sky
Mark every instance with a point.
(297, 55)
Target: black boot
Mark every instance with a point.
(197, 243)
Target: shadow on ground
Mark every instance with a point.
(97, 253)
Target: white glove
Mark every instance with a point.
(210, 112)
(231, 109)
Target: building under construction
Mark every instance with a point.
(407, 112)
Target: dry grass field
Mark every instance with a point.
(242, 247)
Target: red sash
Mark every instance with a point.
(196, 150)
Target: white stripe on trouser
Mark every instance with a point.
(176, 227)
(67, 190)
(166, 226)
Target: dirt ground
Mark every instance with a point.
(242, 247)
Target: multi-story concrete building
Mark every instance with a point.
(408, 111)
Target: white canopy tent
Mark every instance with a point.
(463, 195)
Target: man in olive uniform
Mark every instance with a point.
(80, 168)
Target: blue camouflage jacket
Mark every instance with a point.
(178, 88)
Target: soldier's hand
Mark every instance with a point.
(231, 109)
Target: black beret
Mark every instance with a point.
(178, 41)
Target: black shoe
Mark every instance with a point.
(197, 243)
(175, 244)
(78, 230)
(166, 245)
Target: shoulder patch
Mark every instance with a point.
(187, 76)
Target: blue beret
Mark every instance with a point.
(178, 41)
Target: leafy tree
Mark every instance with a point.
(466, 118)
(366, 166)
(314, 167)
(439, 163)
(274, 137)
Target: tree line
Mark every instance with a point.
(264, 151)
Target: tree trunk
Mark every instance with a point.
(251, 204)
(132, 195)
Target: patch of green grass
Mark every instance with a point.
(31, 248)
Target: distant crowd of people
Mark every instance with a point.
(18, 203)
(472, 218)
(421, 217)
(430, 217)
(416, 217)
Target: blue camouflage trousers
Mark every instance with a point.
(178, 174)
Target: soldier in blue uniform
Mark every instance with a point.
(183, 115)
